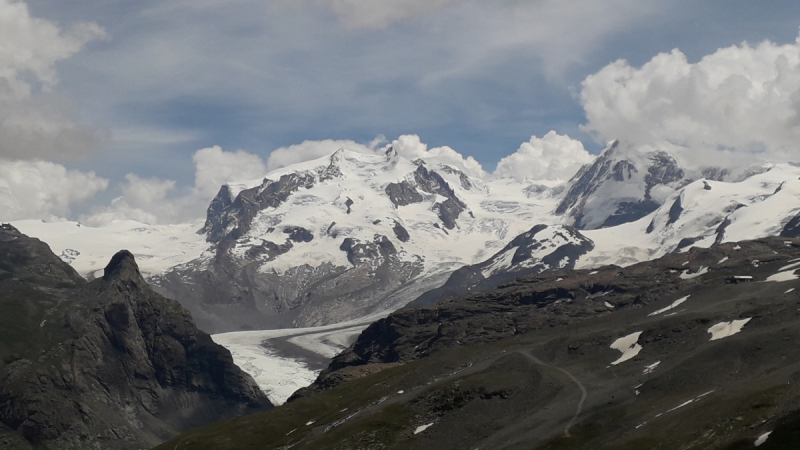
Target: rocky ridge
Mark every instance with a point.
(537, 364)
(343, 237)
(351, 235)
(104, 364)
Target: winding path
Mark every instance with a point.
(584, 393)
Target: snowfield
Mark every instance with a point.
(157, 248)
(355, 204)
(628, 346)
(672, 306)
(725, 329)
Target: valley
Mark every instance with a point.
(516, 368)
(504, 297)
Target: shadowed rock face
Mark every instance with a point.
(231, 219)
(537, 251)
(403, 193)
(792, 228)
(401, 232)
(432, 182)
(106, 364)
(660, 169)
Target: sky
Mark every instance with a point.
(141, 110)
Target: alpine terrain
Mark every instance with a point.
(343, 240)
(106, 364)
(693, 350)
(352, 235)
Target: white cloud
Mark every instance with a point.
(408, 146)
(214, 167)
(741, 99)
(143, 200)
(35, 121)
(411, 147)
(155, 201)
(43, 190)
(32, 46)
(310, 150)
(552, 157)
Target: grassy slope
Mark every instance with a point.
(518, 392)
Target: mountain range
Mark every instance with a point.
(485, 275)
(103, 364)
(351, 235)
(692, 350)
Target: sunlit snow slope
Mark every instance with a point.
(350, 234)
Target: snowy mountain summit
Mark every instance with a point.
(353, 234)
(347, 235)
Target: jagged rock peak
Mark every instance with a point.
(610, 148)
(8, 232)
(122, 267)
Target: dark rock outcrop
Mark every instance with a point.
(534, 252)
(545, 301)
(611, 167)
(231, 219)
(400, 232)
(792, 228)
(403, 193)
(103, 364)
(299, 234)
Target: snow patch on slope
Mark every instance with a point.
(725, 329)
(628, 346)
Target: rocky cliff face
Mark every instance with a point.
(620, 187)
(542, 249)
(106, 364)
(692, 350)
(342, 237)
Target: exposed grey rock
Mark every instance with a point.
(675, 211)
(432, 182)
(663, 170)
(613, 167)
(462, 177)
(715, 173)
(630, 212)
(403, 193)
(105, 364)
(792, 228)
(400, 232)
(533, 254)
(231, 220)
(299, 234)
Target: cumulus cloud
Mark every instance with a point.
(142, 199)
(410, 146)
(741, 100)
(34, 120)
(310, 150)
(156, 201)
(551, 157)
(43, 190)
(214, 167)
